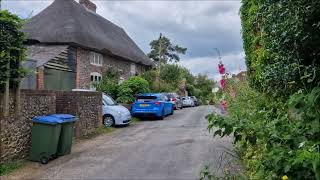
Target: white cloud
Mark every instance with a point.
(199, 26)
(234, 63)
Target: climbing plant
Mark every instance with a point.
(282, 45)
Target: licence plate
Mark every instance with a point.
(144, 105)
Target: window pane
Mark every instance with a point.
(95, 78)
(91, 78)
(99, 78)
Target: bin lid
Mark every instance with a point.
(65, 117)
(47, 120)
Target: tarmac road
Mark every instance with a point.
(177, 147)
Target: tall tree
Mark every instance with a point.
(169, 52)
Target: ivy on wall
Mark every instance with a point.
(282, 45)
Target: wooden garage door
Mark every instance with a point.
(59, 80)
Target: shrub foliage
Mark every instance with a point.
(282, 45)
(12, 50)
(275, 117)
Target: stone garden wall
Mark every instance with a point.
(87, 106)
(15, 130)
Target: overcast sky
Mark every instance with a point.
(199, 26)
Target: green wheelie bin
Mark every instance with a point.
(66, 135)
(44, 138)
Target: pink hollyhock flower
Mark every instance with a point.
(222, 83)
(221, 69)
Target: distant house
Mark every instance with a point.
(72, 46)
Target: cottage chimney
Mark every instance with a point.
(89, 5)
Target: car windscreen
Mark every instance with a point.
(146, 98)
(109, 101)
(184, 98)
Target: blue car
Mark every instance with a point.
(152, 104)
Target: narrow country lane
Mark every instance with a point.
(175, 148)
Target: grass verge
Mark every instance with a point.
(135, 120)
(11, 166)
(100, 130)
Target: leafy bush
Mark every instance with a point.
(125, 95)
(133, 86)
(171, 74)
(12, 50)
(282, 45)
(274, 138)
(109, 83)
(275, 120)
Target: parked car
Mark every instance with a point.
(195, 100)
(187, 102)
(175, 99)
(113, 113)
(152, 104)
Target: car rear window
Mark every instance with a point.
(146, 98)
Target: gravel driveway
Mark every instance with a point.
(175, 148)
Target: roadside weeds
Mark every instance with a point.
(10, 167)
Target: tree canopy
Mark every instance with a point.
(169, 52)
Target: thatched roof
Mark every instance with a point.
(68, 22)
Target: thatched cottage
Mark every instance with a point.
(71, 46)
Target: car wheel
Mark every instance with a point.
(108, 121)
(162, 115)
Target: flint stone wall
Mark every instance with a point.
(15, 130)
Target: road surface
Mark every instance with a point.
(177, 147)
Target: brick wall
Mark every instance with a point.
(40, 78)
(15, 130)
(85, 68)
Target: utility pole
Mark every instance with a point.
(160, 49)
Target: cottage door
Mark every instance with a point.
(55, 79)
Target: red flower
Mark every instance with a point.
(221, 68)
(222, 83)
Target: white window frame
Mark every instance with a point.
(133, 68)
(94, 77)
(96, 59)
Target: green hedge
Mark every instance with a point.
(275, 118)
(12, 50)
(282, 45)
(273, 138)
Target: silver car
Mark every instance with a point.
(187, 102)
(113, 113)
(175, 99)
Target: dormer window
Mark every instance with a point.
(96, 59)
